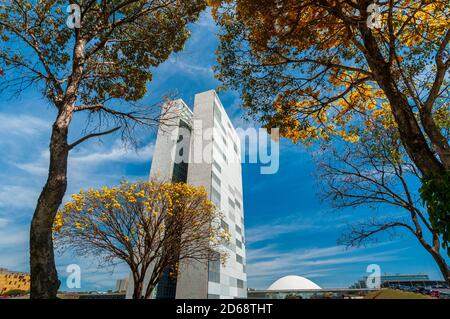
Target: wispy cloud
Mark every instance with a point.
(291, 224)
(18, 196)
(118, 153)
(22, 125)
(267, 264)
(13, 245)
(268, 232)
(3, 222)
(87, 158)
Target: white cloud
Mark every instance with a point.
(291, 224)
(15, 259)
(266, 232)
(118, 153)
(87, 158)
(14, 254)
(17, 196)
(13, 238)
(3, 222)
(20, 125)
(267, 264)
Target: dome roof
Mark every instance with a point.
(293, 283)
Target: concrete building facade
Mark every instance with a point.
(202, 148)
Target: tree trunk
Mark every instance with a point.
(409, 130)
(44, 277)
(443, 267)
(138, 282)
(149, 290)
(433, 250)
(137, 289)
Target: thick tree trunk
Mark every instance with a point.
(138, 281)
(137, 289)
(409, 130)
(44, 278)
(149, 290)
(443, 267)
(439, 259)
(433, 250)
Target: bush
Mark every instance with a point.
(15, 292)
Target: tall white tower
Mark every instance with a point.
(215, 140)
(210, 153)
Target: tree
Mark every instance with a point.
(100, 69)
(151, 226)
(312, 67)
(377, 172)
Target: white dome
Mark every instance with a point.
(293, 283)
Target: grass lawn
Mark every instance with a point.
(395, 294)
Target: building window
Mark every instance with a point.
(219, 150)
(217, 166)
(239, 259)
(224, 225)
(231, 190)
(216, 179)
(238, 230)
(224, 141)
(238, 243)
(179, 173)
(217, 113)
(231, 215)
(214, 268)
(240, 283)
(215, 197)
(231, 202)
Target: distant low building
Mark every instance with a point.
(297, 287)
(11, 280)
(396, 280)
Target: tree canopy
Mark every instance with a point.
(151, 226)
(91, 59)
(316, 68)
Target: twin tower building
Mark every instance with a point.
(202, 148)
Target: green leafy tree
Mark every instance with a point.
(99, 68)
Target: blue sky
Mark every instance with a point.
(288, 230)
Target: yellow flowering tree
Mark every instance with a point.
(314, 68)
(142, 224)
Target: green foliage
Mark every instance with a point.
(435, 192)
(122, 41)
